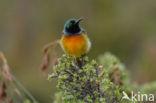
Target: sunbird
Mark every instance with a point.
(74, 40)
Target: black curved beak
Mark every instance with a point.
(79, 20)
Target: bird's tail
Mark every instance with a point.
(80, 61)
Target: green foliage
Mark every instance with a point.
(79, 81)
(149, 88)
(86, 81)
(117, 71)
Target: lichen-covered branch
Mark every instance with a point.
(90, 83)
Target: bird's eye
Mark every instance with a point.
(72, 22)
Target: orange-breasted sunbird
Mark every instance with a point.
(74, 40)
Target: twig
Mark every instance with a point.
(47, 47)
(46, 59)
(5, 67)
(12, 79)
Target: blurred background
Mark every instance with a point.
(126, 28)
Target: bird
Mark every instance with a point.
(74, 40)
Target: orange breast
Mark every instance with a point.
(75, 45)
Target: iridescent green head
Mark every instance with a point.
(72, 27)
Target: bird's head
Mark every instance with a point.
(72, 27)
